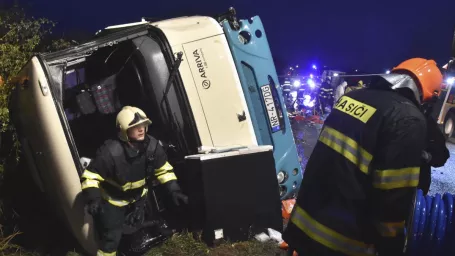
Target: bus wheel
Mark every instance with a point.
(449, 125)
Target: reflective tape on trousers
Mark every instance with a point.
(329, 237)
(396, 178)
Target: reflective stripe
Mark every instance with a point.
(128, 185)
(346, 147)
(165, 174)
(329, 237)
(101, 253)
(396, 178)
(92, 176)
(390, 229)
(120, 203)
(166, 177)
(90, 184)
(163, 169)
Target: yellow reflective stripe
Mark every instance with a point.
(347, 147)
(354, 108)
(390, 229)
(90, 184)
(163, 169)
(128, 185)
(329, 237)
(101, 253)
(396, 178)
(92, 176)
(121, 203)
(166, 177)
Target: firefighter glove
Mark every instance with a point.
(178, 197)
(176, 193)
(94, 207)
(426, 156)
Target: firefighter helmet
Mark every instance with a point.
(128, 117)
(426, 74)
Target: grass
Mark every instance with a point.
(179, 245)
(185, 245)
(7, 248)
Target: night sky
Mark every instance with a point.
(370, 35)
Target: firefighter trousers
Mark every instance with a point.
(109, 228)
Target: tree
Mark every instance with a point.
(20, 38)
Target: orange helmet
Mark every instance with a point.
(427, 73)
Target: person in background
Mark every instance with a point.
(358, 86)
(286, 88)
(340, 91)
(326, 94)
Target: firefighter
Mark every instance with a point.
(115, 182)
(436, 153)
(357, 202)
(286, 88)
(359, 85)
(326, 94)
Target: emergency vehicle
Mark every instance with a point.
(204, 82)
(445, 108)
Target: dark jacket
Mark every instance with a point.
(119, 172)
(361, 177)
(326, 92)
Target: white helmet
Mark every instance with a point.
(128, 117)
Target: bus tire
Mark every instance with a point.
(449, 125)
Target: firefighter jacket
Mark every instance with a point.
(360, 180)
(326, 92)
(287, 86)
(119, 172)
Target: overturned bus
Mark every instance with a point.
(204, 82)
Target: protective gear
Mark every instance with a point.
(326, 94)
(176, 194)
(340, 91)
(426, 156)
(427, 74)
(129, 117)
(360, 83)
(357, 203)
(94, 207)
(119, 175)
